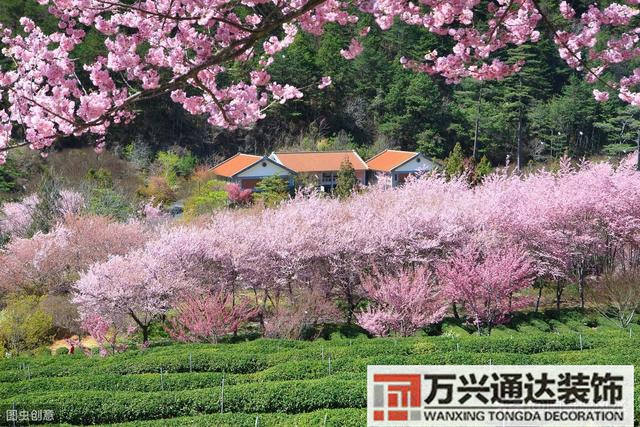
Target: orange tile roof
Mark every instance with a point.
(235, 164)
(389, 160)
(319, 161)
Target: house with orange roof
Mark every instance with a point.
(321, 166)
(247, 170)
(398, 164)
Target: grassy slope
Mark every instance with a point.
(285, 383)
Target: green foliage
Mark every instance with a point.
(430, 143)
(175, 165)
(158, 190)
(286, 397)
(346, 180)
(206, 198)
(270, 377)
(483, 168)
(325, 417)
(287, 381)
(272, 190)
(412, 106)
(24, 325)
(186, 164)
(10, 173)
(100, 178)
(169, 162)
(622, 128)
(454, 164)
(109, 202)
(618, 149)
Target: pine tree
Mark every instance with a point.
(483, 168)
(454, 164)
(522, 90)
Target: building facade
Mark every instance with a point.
(248, 170)
(398, 164)
(321, 167)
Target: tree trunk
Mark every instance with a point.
(351, 306)
(519, 149)
(581, 286)
(539, 298)
(638, 148)
(455, 311)
(143, 327)
(145, 333)
(477, 126)
(558, 294)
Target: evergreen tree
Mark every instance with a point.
(346, 180)
(520, 92)
(454, 164)
(483, 168)
(272, 190)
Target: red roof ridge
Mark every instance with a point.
(315, 151)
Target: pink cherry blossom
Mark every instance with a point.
(355, 49)
(600, 96)
(325, 82)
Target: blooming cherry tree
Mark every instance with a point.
(208, 317)
(132, 287)
(403, 303)
(487, 282)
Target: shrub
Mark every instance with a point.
(185, 165)
(272, 190)
(101, 178)
(89, 407)
(158, 190)
(175, 165)
(109, 202)
(24, 325)
(237, 195)
(346, 180)
(168, 162)
(206, 199)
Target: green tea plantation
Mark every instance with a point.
(279, 382)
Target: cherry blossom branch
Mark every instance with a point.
(559, 40)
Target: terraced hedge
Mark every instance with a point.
(282, 383)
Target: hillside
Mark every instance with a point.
(392, 107)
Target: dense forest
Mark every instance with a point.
(375, 103)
